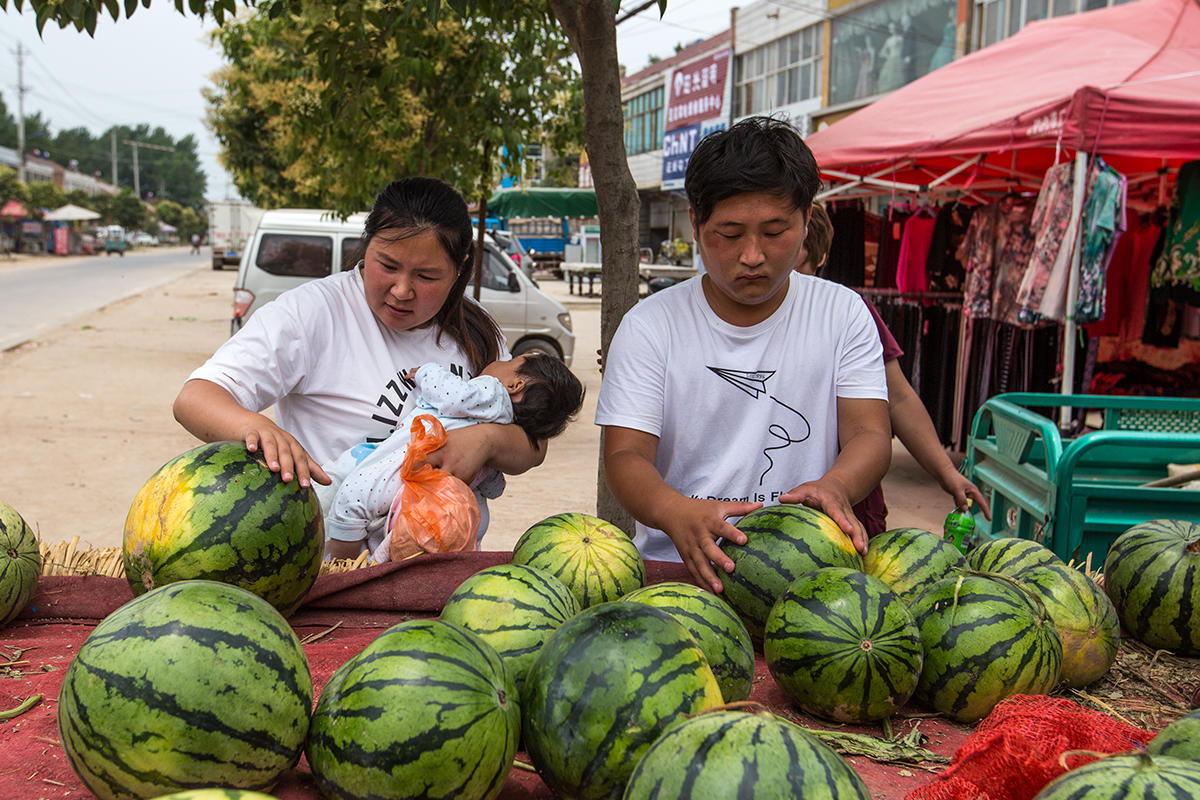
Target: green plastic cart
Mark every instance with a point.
(1076, 495)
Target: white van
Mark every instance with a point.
(291, 246)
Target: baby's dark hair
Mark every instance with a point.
(552, 397)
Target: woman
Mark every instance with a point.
(331, 354)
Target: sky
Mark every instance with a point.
(153, 66)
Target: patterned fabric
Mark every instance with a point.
(1051, 222)
(1014, 246)
(1179, 264)
(978, 255)
(1104, 222)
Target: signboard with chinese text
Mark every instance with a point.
(697, 91)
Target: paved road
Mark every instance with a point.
(37, 294)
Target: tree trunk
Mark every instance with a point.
(591, 27)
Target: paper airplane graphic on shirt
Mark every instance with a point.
(752, 383)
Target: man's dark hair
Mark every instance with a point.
(758, 154)
(552, 397)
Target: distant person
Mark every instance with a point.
(535, 391)
(910, 420)
(195, 243)
(751, 384)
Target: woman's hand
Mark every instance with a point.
(957, 486)
(695, 527)
(283, 453)
(489, 444)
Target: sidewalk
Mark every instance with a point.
(85, 417)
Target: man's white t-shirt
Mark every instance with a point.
(740, 413)
(332, 370)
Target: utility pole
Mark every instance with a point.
(137, 182)
(20, 113)
(113, 144)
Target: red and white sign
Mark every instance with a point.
(697, 91)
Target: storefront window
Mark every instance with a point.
(998, 19)
(644, 122)
(784, 71)
(883, 46)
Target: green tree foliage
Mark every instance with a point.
(11, 188)
(322, 108)
(43, 194)
(127, 211)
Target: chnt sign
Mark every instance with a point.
(697, 91)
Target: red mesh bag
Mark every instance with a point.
(1016, 750)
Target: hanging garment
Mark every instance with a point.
(978, 254)
(846, 261)
(1104, 222)
(943, 267)
(1179, 263)
(1050, 223)
(1014, 245)
(1127, 279)
(914, 251)
(891, 235)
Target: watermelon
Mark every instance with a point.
(984, 639)
(722, 637)
(594, 558)
(843, 646)
(1180, 739)
(602, 690)
(910, 560)
(514, 609)
(1010, 556)
(1085, 619)
(760, 754)
(1152, 575)
(427, 709)
(218, 513)
(197, 683)
(783, 542)
(1136, 776)
(20, 563)
(216, 794)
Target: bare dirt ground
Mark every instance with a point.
(85, 418)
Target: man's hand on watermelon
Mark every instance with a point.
(830, 497)
(695, 526)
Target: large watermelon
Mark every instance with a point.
(1085, 619)
(513, 608)
(1180, 739)
(723, 754)
(20, 563)
(197, 683)
(218, 513)
(1010, 556)
(722, 637)
(425, 710)
(843, 646)
(1152, 575)
(216, 794)
(783, 542)
(1127, 777)
(910, 560)
(594, 558)
(984, 640)
(602, 690)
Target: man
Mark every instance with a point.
(750, 384)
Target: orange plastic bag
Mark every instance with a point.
(434, 512)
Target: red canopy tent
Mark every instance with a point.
(1122, 83)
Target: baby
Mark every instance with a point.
(536, 391)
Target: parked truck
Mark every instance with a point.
(231, 223)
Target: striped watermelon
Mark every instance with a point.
(1135, 776)
(216, 794)
(762, 755)
(1085, 619)
(602, 690)
(594, 558)
(910, 560)
(782, 543)
(20, 563)
(218, 513)
(722, 637)
(1010, 556)
(1152, 575)
(1180, 739)
(197, 683)
(843, 646)
(984, 640)
(425, 710)
(514, 609)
